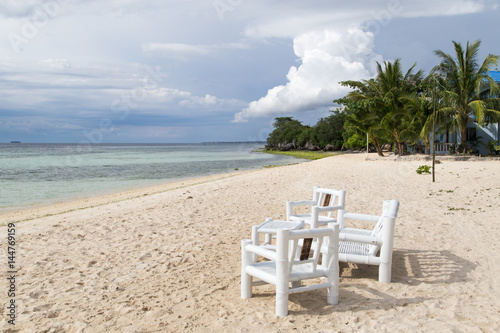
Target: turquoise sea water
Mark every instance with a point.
(34, 174)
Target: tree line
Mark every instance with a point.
(396, 107)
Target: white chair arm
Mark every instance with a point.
(361, 217)
(328, 208)
(312, 233)
(261, 251)
(371, 240)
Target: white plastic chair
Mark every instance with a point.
(324, 201)
(285, 267)
(374, 246)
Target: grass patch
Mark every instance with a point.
(304, 154)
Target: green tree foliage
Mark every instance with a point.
(327, 131)
(286, 130)
(354, 140)
(419, 109)
(394, 87)
(361, 117)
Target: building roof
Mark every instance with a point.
(495, 75)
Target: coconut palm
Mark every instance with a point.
(419, 108)
(394, 87)
(382, 98)
(462, 79)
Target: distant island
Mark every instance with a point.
(232, 142)
(15, 142)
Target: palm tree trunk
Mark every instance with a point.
(396, 146)
(464, 137)
(377, 146)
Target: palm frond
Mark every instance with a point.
(478, 108)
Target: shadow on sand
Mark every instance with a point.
(361, 291)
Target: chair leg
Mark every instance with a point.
(384, 272)
(282, 280)
(282, 299)
(268, 239)
(334, 272)
(246, 286)
(333, 291)
(246, 280)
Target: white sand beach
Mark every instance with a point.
(167, 259)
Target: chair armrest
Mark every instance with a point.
(361, 217)
(261, 251)
(328, 208)
(361, 239)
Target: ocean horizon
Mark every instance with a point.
(35, 174)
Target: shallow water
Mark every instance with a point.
(32, 174)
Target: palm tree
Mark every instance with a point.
(394, 86)
(419, 107)
(462, 79)
(382, 99)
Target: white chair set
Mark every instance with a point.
(289, 260)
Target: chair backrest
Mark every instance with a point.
(327, 197)
(389, 212)
(313, 239)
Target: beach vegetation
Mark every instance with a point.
(423, 169)
(363, 117)
(287, 130)
(491, 146)
(303, 154)
(457, 208)
(291, 134)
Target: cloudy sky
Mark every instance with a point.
(207, 70)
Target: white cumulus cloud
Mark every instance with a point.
(327, 58)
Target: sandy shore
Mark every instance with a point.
(167, 259)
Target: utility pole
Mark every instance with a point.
(367, 142)
(434, 131)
